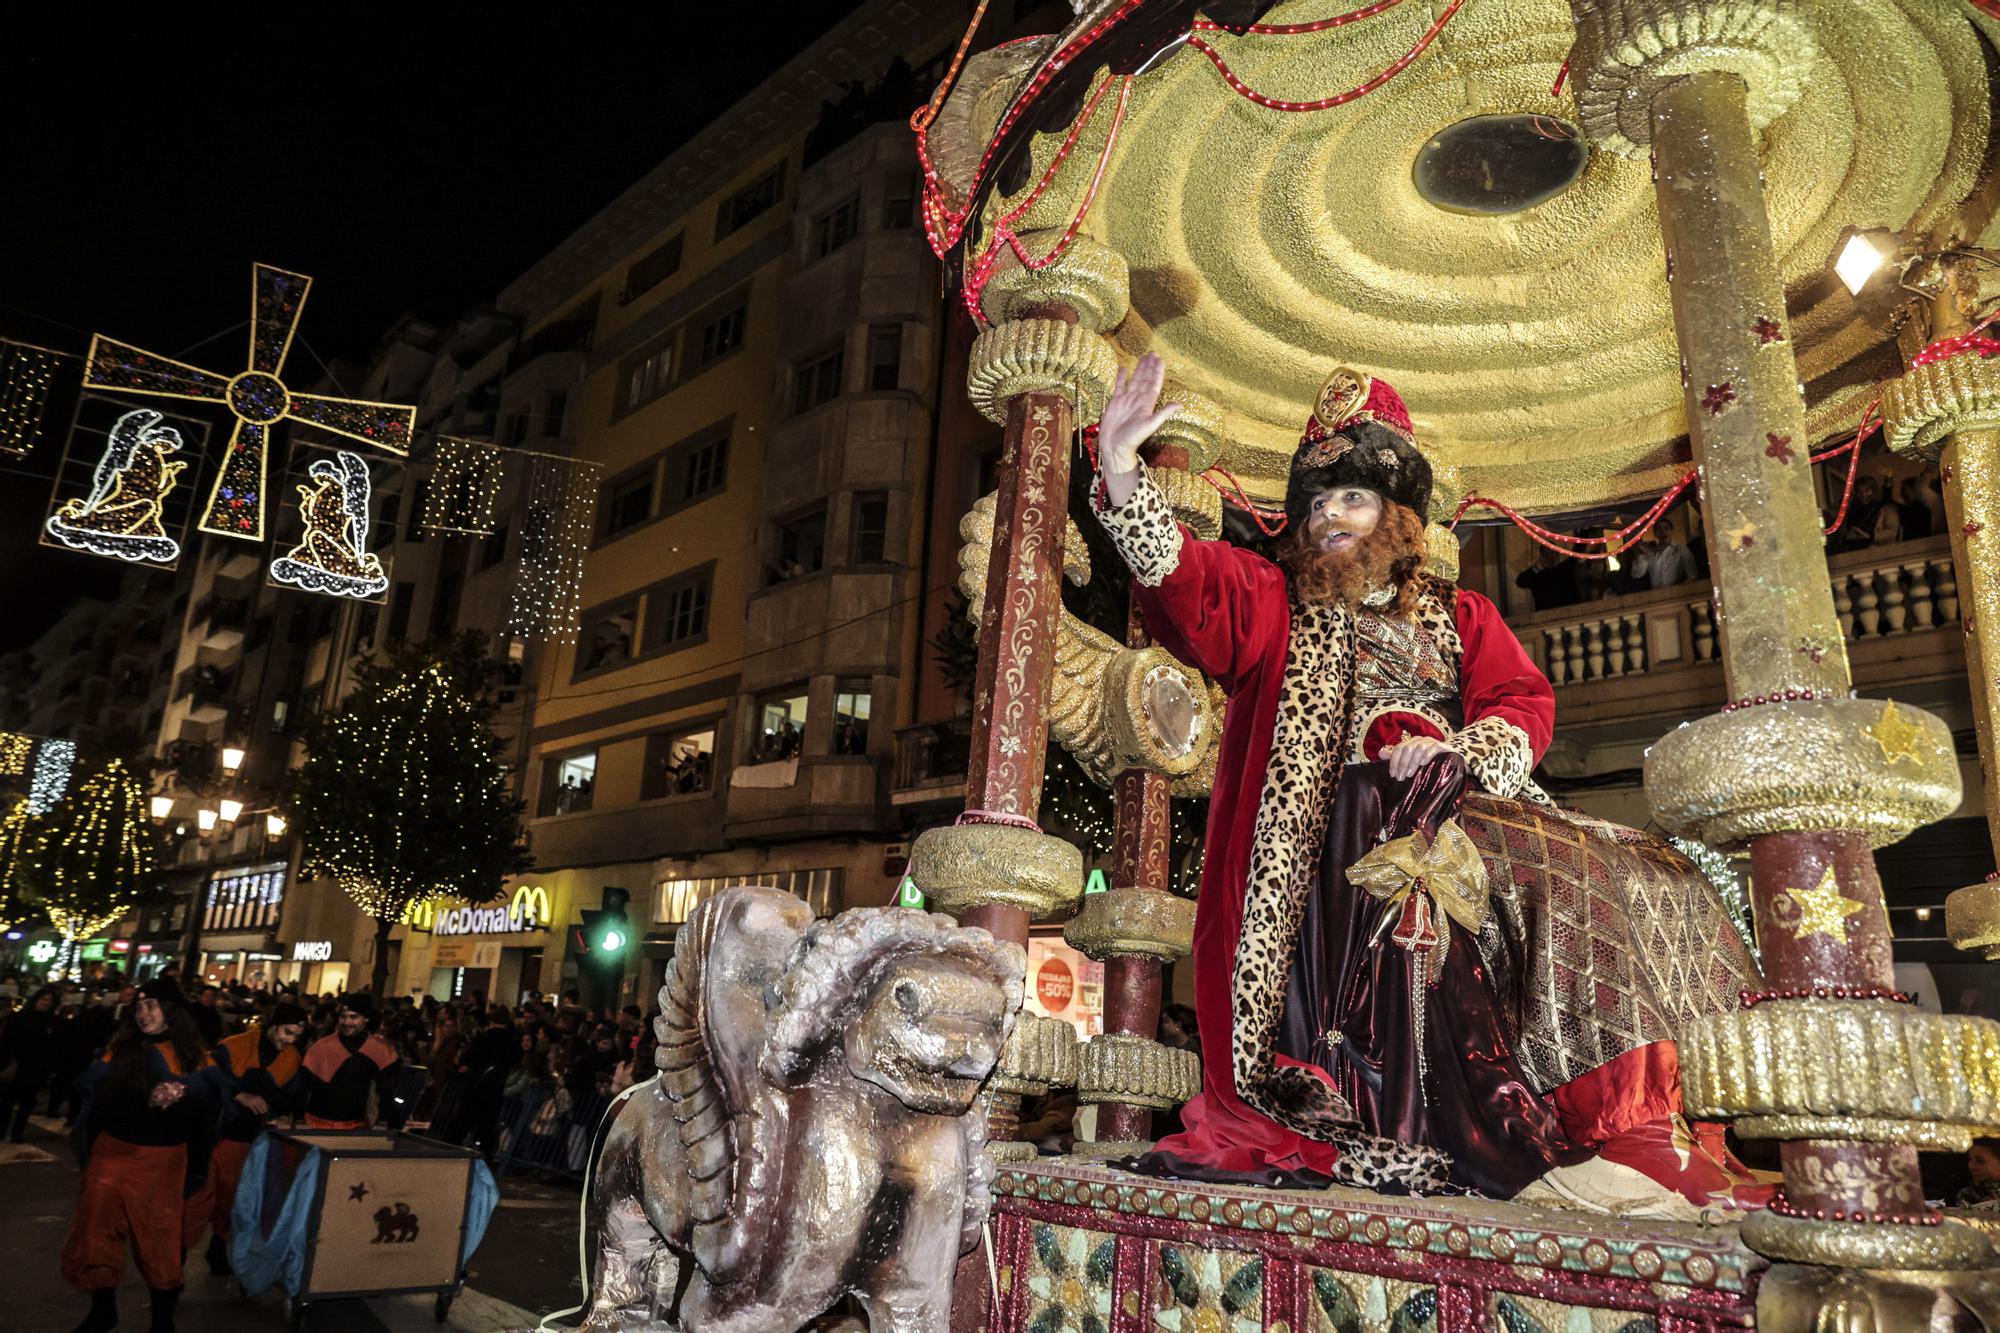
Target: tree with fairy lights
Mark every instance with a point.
(402, 796)
(94, 858)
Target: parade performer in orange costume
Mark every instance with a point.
(343, 1066)
(149, 1111)
(259, 1074)
(1419, 973)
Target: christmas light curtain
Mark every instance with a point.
(557, 512)
(465, 487)
(27, 373)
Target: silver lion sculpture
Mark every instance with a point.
(807, 1136)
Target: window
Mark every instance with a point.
(648, 375)
(781, 728)
(493, 547)
(871, 529)
(413, 521)
(626, 503)
(885, 356)
(698, 467)
(899, 202)
(850, 717)
(835, 228)
(801, 546)
(721, 336)
(569, 783)
(607, 636)
(659, 264)
(677, 611)
(678, 763)
(747, 203)
(399, 611)
(818, 381)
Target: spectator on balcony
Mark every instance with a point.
(1551, 580)
(1913, 504)
(1660, 562)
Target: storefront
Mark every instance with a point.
(497, 952)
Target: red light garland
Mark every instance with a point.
(1338, 99)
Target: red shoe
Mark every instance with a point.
(1694, 1163)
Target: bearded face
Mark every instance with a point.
(1354, 547)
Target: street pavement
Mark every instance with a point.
(525, 1267)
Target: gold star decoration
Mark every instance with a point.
(1896, 735)
(1744, 537)
(1822, 910)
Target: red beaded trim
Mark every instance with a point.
(1784, 1207)
(1750, 999)
(1789, 694)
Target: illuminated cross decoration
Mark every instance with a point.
(256, 397)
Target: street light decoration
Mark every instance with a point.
(256, 396)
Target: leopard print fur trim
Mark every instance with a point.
(1143, 529)
(1314, 702)
(1498, 754)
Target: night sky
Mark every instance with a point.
(415, 166)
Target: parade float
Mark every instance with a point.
(1593, 247)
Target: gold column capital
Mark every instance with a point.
(1626, 50)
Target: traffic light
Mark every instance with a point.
(606, 932)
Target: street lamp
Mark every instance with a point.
(231, 810)
(232, 758)
(205, 817)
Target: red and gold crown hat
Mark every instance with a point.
(1359, 434)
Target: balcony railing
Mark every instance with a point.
(1881, 593)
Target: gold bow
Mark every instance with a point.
(1434, 882)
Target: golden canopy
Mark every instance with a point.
(1535, 347)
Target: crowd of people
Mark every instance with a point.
(164, 1089)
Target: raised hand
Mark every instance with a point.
(1130, 418)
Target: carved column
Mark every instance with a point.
(1948, 411)
(1806, 778)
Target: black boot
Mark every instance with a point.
(163, 1309)
(103, 1316)
(218, 1257)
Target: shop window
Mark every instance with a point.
(677, 611)
(781, 728)
(607, 636)
(697, 468)
(899, 202)
(661, 263)
(679, 763)
(801, 546)
(648, 375)
(569, 783)
(627, 501)
(871, 529)
(750, 202)
(818, 381)
(835, 228)
(885, 356)
(721, 336)
(850, 717)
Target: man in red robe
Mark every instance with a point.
(1428, 977)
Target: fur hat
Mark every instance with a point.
(1359, 434)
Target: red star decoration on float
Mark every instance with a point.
(1768, 330)
(1718, 398)
(1779, 447)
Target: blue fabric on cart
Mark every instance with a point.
(280, 1257)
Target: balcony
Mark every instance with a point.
(1652, 658)
(930, 763)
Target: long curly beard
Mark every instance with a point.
(1387, 558)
